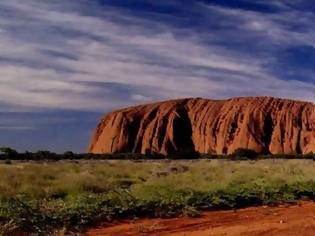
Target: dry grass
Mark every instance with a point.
(86, 191)
(45, 179)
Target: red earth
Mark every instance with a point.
(284, 220)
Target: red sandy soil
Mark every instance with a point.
(263, 221)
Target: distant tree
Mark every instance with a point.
(211, 154)
(184, 153)
(27, 155)
(68, 155)
(44, 155)
(8, 153)
(244, 152)
(309, 155)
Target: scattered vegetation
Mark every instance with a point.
(47, 197)
(7, 153)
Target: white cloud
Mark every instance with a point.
(140, 98)
(286, 28)
(156, 64)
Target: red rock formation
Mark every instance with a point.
(264, 124)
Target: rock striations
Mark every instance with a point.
(264, 124)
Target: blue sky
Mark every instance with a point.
(63, 64)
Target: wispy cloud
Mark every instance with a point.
(54, 52)
(281, 29)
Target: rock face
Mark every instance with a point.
(264, 124)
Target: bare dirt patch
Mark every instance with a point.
(286, 220)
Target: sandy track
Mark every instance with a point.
(263, 221)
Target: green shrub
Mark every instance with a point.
(244, 153)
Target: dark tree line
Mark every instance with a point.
(7, 153)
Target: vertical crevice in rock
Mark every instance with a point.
(299, 124)
(151, 120)
(133, 129)
(183, 132)
(267, 131)
(161, 132)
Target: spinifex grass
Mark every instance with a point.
(71, 195)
